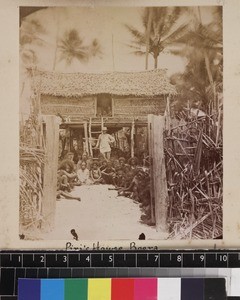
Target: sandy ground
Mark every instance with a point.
(101, 215)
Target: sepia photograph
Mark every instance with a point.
(121, 123)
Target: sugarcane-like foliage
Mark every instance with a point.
(193, 149)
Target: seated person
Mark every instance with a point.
(133, 189)
(103, 165)
(83, 174)
(63, 187)
(115, 164)
(62, 181)
(133, 161)
(119, 179)
(62, 164)
(95, 174)
(85, 159)
(70, 156)
(67, 168)
(122, 162)
(108, 173)
(129, 174)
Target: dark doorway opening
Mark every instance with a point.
(104, 105)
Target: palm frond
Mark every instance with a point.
(176, 35)
(172, 16)
(159, 20)
(133, 46)
(138, 53)
(138, 36)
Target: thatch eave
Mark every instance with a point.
(148, 84)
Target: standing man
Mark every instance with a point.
(104, 143)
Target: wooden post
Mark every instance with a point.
(102, 123)
(50, 173)
(150, 150)
(132, 138)
(167, 114)
(86, 137)
(159, 174)
(90, 137)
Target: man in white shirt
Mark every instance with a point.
(104, 143)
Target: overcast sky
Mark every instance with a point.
(107, 25)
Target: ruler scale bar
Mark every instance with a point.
(162, 259)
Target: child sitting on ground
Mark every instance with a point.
(68, 175)
(95, 174)
(83, 174)
(63, 187)
(119, 179)
(85, 159)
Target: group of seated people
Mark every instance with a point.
(127, 177)
(90, 171)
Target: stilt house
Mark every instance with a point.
(86, 101)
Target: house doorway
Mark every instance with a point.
(104, 105)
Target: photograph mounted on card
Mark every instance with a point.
(121, 120)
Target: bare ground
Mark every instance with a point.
(100, 215)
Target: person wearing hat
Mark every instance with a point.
(104, 143)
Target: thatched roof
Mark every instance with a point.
(141, 84)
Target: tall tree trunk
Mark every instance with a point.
(206, 58)
(207, 64)
(56, 47)
(148, 32)
(113, 61)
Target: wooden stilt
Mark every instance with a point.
(132, 138)
(50, 173)
(86, 137)
(90, 137)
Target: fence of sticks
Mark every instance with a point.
(193, 157)
(32, 156)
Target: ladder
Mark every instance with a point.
(93, 135)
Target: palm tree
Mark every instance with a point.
(162, 29)
(72, 47)
(30, 39)
(202, 46)
(205, 39)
